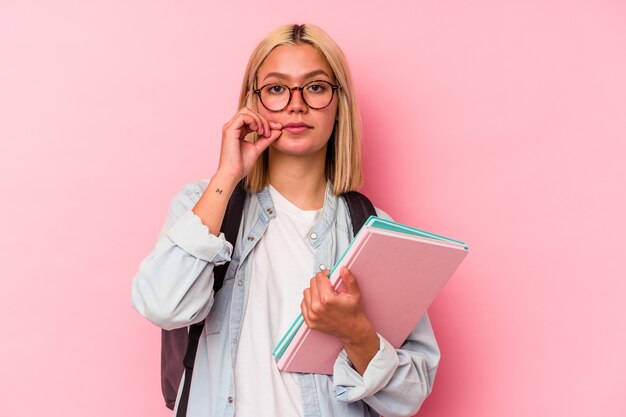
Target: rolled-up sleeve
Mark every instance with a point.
(396, 381)
(351, 386)
(174, 285)
(191, 235)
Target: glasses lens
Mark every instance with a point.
(274, 96)
(318, 94)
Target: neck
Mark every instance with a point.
(301, 180)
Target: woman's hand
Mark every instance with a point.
(238, 155)
(341, 314)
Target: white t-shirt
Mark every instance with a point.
(281, 269)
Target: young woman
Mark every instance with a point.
(296, 141)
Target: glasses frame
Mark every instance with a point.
(301, 88)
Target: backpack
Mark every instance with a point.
(178, 346)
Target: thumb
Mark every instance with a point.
(349, 282)
(263, 142)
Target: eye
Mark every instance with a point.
(275, 89)
(317, 87)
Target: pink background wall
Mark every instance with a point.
(498, 122)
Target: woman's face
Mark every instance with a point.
(296, 65)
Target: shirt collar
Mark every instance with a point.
(321, 228)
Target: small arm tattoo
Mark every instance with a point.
(218, 191)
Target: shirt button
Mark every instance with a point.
(230, 400)
(322, 267)
(240, 283)
(250, 238)
(270, 211)
(313, 236)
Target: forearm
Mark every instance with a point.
(211, 206)
(361, 345)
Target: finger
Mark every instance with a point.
(314, 294)
(239, 126)
(275, 134)
(325, 291)
(305, 312)
(260, 122)
(264, 127)
(252, 120)
(349, 281)
(306, 297)
(267, 131)
(262, 143)
(246, 123)
(274, 129)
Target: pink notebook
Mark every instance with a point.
(399, 276)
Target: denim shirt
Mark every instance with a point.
(173, 289)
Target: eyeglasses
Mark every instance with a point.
(316, 94)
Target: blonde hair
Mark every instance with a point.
(343, 156)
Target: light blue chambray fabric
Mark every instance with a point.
(173, 289)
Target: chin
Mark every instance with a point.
(297, 146)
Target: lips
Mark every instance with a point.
(296, 127)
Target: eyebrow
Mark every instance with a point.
(307, 75)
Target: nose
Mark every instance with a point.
(297, 103)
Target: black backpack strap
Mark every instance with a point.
(230, 228)
(195, 330)
(360, 207)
